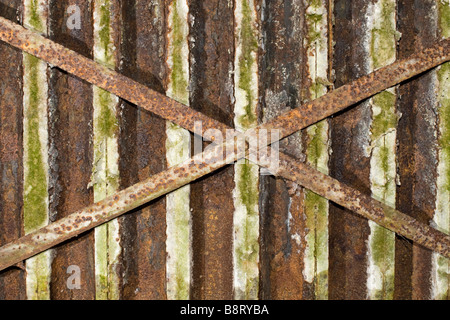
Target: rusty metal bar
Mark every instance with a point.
(426, 59)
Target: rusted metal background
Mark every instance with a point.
(277, 55)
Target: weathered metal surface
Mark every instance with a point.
(281, 204)
(212, 93)
(142, 151)
(12, 281)
(290, 128)
(70, 153)
(165, 181)
(417, 151)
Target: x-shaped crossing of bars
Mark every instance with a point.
(216, 157)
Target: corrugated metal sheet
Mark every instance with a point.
(238, 233)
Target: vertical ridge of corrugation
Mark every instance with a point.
(383, 169)
(35, 144)
(246, 193)
(177, 150)
(281, 202)
(317, 149)
(349, 161)
(105, 178)
(12, 281)
(441, 265)
(212, 93)
(70, 137)
(417, 148)
(142, 150)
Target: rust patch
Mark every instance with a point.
(70, 154)
(282, 221)
(417, 153)
(12, 281)
(289, 122)
(142, 150)
(349, 163)
(212, 56)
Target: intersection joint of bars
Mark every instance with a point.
(217, 156)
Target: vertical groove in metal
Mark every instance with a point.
(246, 193)
(105, 178)
(35, 143)
(12, 281)
(70, 151)
(142, 150)
(281, 203)
(417, 148)
(317, 149)
(177, 150)
(382, 43)
(441, 265)
(349, 161)
(212, 92)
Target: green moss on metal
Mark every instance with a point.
(178, 150)
(444, 17)
(178, 77)
(444, 117)
(316, 209)
(246, 252)
(384, 43)
(382, 248)
(386, 119)
(382, 51)
(442, 215)
(247, 246)
(104, 33)
(249, 45)
(105, 169)
(33, 18)
(36, 192)
(106, 122)
(249, 189)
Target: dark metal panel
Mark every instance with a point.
(70, 152)
(281, 203)
(142, 149)
(417, 151)
(12, 281)
(212, 58)
(349, 162)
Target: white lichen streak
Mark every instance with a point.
(105, 178)
(178, 242)
(316, 208)
(35, 142)
(246, 193)
(381, 22)
(441, 265)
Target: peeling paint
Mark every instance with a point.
(383, 171)
(317, 150)
(177, 150)
(105, 177)
(441, 265)
(35, 139)
(246, 193)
